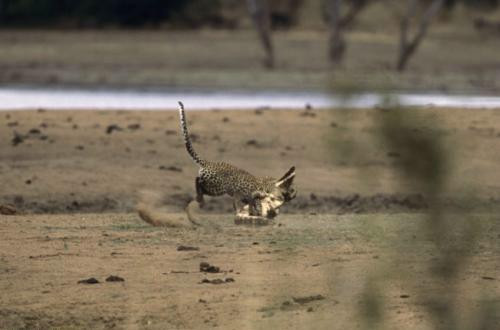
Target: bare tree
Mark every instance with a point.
(356, 6)
(406, 47)
(339, 23)
(259, 11)
(336, 45)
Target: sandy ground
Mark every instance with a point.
(310, 272)
(58, 161)
(350, 250)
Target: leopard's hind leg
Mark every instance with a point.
(199, 192)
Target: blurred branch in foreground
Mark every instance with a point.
(432, 270)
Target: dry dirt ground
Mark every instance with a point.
(310, 272)
(354, 248)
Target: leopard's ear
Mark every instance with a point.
(287, 179)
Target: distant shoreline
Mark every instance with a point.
(64, 98)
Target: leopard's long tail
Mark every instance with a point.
(187, 139)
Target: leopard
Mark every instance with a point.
(254, 198)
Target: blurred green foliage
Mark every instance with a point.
(102, 13)
(152, 13)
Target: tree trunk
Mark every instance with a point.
(407, 48)
(259, 11)
(356, 7)
(337, 46)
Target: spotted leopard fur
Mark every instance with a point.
(249, 193)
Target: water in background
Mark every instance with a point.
(15, 98)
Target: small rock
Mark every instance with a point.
(28, 181)
(91, 280)
(170, 168)
(203, 301)
(404, 296)
(187, 248)
(79, 147)
(8, 209)
(113, 278)
(217, 280)
(252, 142)
(170, 132)
(205, 267)
(225, 119)
(305, 300)
(134, 126)
(113, 127)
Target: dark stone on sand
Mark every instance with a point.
(187, 248)
(8, 209)
(91, 280)
(170, 168)
(205, 267)
(307, 299)
(134, 126)
(217, 281)
(113, 127)
(253, 143)
(113, 278)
